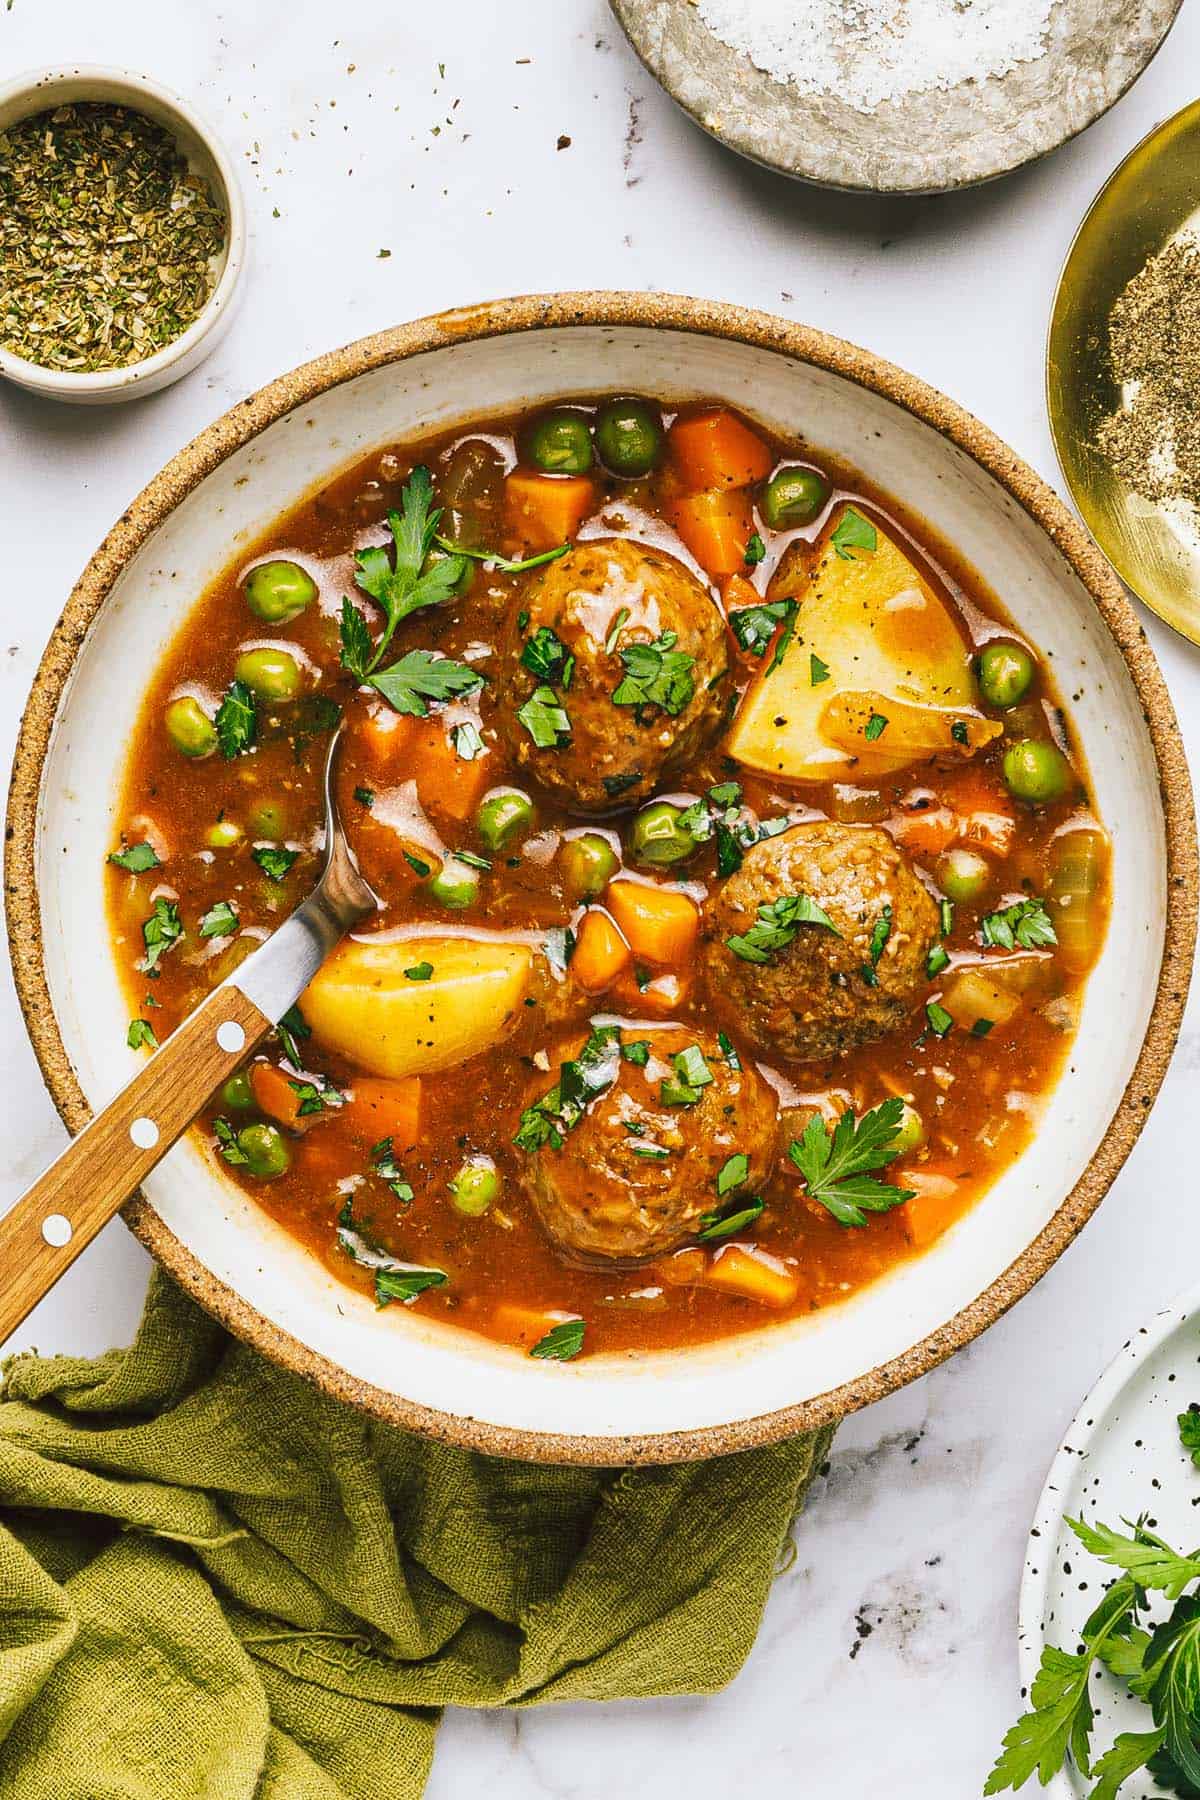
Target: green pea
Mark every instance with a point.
(189, 727)
(911, 1134)
(224, 834)
(279, 591)
(502, 815)
(559, 443)
(588, 865)
(1037, 771)
(793, 497)
(455, 885)
(466, 579)
(629, 437)
(962, 874)
(266, 1151)
(237, 1095)
(1005, 674)
(657, 837)
(268, 820)
(272, 674)
(475, 1187)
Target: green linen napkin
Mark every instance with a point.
(217, 1583)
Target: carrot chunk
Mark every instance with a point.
(541, 511)
(659, 998)
(934, 1207)
(926, 833)
(656, 922)
(447, 783)
(377, 1108)
(716, 526)
(713, 449)
(601, 952)
(274, 1095)
(754, 1274)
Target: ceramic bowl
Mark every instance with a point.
(39, 90)
(260, 458)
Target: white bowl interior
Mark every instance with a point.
(433, 1364)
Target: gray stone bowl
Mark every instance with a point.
(925, 143)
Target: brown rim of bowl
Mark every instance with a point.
(651, 312)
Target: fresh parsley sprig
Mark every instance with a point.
(421, 676)
(504, 564)
(838, 1169)
(401, 585)
(561, 1342)
(1024, 926)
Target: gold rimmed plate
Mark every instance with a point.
(1145, 202)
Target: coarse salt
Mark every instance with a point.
(865, 52)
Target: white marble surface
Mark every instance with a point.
(887, 1661)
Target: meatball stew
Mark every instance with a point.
(738, 875)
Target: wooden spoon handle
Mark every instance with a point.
(41, 1236)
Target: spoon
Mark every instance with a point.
(44, 1232)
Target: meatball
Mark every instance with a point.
(823, 991)
(601, 599)
(605, 1194)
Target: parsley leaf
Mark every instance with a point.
(728, 1051)
(365, 797)
(580, 1081)
(506, 565)
(875, 727)
(1142, 1555)
(221, 920)
(140, 1032)
(755, 626)
(755, 551)
(940, 1021)
(273, 860)
(561, 1342)
(236, 720)
(406, 1284)
(853, 532)
(778, 924)
(733, 1173)
(422, 676)
(291, 1031)
(466, 740)
(356, 641)
(1189, 1432)
(546, 656)
(394, 1280)
(161, 931)
(656, 675)
(722, 1225)
(636, 1052)
(837, 1169)
(1025, 926)
(880, 933)
(692, 1076)
(227, 1143)
(615, 629)
(817, 670)
(419, 972)
(313, 1098)
(937, 960)
(384, 1164)
(135, 859)
(403, 589)
(545, 719)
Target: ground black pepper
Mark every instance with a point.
(1153, 441)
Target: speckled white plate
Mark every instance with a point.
(1121, 1457)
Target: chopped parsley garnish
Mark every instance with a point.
(937, 960)
(406, 587)
(946, 916)
(417, 864)
(466, 740)
(728, 1051)
(546, 656)
(733, 1173)
(853, 532)
(385, 1166)
(958, 731)
(716, 1225)
(545, 719)
(365, 797)
(505, 564)
(650, 1152)
(1025, 926)
(837, 1169)
(273, 860)
(817, 670)
(656, 675)
(692, 1076)
(637, 1052)
(291, 1031)
(394, 1280)
(778, 924)
(615, 629)
(421, 676)
(940, 1021)
(754, 552)
(580, 1081)
(719, 816)
(561, 1342)
(875, 727)
(135, 859)
(227, 1143)
(755, 626)
(161, 931)
(880, 933)
(419, 972)
(236, 720)
(220, 920)
(312, 1099)
(141, 1033)
(406, 1284)
(981, 1027)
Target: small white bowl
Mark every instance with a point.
(39, 90)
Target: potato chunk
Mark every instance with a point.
(873, 622)
(368, 1005)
